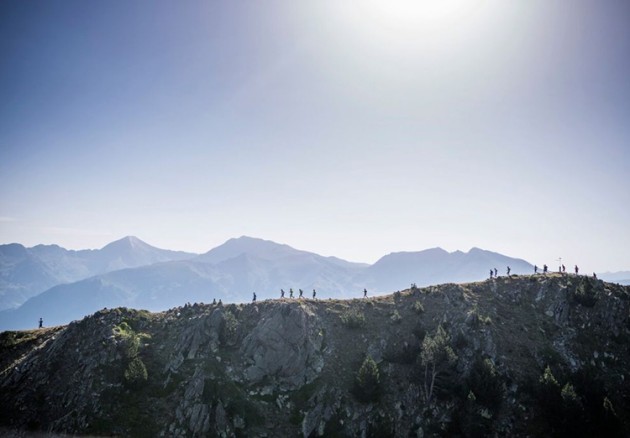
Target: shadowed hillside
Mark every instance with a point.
(517, 356)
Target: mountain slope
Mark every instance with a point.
(520, 356)
(26, 272)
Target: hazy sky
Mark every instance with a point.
(351, 128)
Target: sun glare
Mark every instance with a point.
(418, 12)
(395, 23)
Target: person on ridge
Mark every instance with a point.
(291, 292)
(564, 269)
(364, 293)
(301, 293)
(314, 294)
(577, 269)
(496, 273)
(254, 297)
(595, 276)
(508, 271)
(491, 273)
(281, 293)
(41, 322)
(535, 269)
(545, 268)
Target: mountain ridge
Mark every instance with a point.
(534, 355)
(242, 266)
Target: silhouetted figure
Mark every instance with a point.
(564, 269)
(290, 292)
(496, 273)
(301, 293)
(220, 302)
(214, 301)
(508, 271)
(364, 293)
(545, 269)
(314, 294)
(281, 293)
(595, 276)
(254, 297)
(535, 269)
(41, 323)
(491, 273)
(577, 269)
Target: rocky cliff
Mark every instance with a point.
(517, 356)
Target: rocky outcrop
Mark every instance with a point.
(515, 357)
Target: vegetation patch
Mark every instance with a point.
(368, 382)
(353, 319)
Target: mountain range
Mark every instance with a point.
(26, 272)
(61, 285)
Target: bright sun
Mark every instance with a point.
(418, 12)
(395, 22)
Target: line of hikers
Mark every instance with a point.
(561, 269)
(301, 294)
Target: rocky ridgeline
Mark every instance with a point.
(518, 356)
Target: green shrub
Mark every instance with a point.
(585, 294)
(353, 319)
(368, 382)
(229, 329)
(485, 383)
(396, 318)
(418, 307)
(136, 372)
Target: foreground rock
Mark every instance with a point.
(514, 356)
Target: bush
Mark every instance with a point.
(485, 383)
(368, 382)
(229, 329)
(396, 318)
(585, 294)
(353, 319)
(418, 307)
(136, 372)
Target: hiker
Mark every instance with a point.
(508, 271)
(496, 273)
(214, 301)
(545, 268)
(595, 276)
(41, 323)
(220, 302)
(301, 293)
(535, 269)
(254, 298)
(564, 269)
(281, 293)
(314, 294)
(577, 269)
(364, 293)
(291, 292)
(491, 272)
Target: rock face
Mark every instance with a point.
(514, 356)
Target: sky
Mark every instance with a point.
(346, 128)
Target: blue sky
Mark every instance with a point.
(345, 128)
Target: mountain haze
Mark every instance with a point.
(26, 272)
(236, 269)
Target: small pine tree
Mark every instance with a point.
(436, 357)
(136, 372)
(368, 381)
